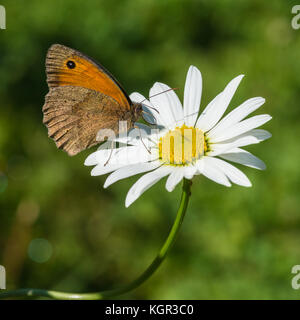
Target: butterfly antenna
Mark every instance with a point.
(157, 94)
(111, 151)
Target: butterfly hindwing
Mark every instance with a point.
(75, 115)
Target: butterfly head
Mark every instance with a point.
(137, 109)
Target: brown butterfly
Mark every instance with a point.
(83, 98)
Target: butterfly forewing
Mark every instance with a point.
(83, 98)
(69, 67)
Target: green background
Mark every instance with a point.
(236, 243)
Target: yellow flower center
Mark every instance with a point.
(182, 146)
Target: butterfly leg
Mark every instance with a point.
(110, 154)
(142, 139)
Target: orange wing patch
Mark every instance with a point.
(68, 67)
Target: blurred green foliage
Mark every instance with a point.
(236, 243)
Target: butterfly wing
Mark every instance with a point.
(83, 98)
(74, 116)
(69, 67)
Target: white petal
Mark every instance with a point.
(138, 98)
(219, 148)
(99, 156)
(259, 134)
(212, 172)
(244, 157)
(250, 137)
(140, 135)
(121, 156)
(145, 182)
(203, 122)
(133, 137)
(242, 127)
(234, 174)
(190, 171)
(174, 178)
(216, 108)
(168, 105)
(236, 115)
(192, 96)
(100, 169)
(129, 171)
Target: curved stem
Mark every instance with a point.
(123, 289)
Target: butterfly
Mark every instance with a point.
(83, 99)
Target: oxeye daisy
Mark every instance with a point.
(182, 144)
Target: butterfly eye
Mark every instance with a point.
(71, 64)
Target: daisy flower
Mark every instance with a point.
(181, 144)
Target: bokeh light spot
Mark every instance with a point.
(40, 250)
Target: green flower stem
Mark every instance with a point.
(123, 289)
